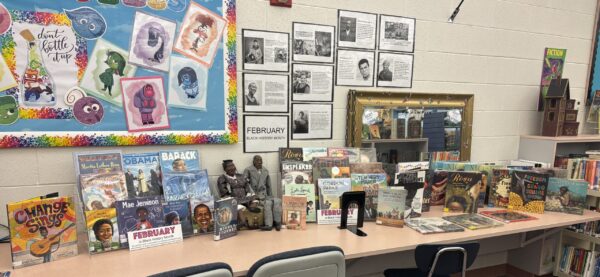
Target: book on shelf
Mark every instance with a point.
(294, 212)
(370, 184)
(179, 161)
(499, 188)
(473, 221)
(437, 187)
(101, 190)
(138, 214)
(432, 225)
(307, 190)
(225, 218)
(507, 216)
(391, 206)
(566, 196)
(352, 153)
(298, 172)
(330, 190)
(579, 262)
(290, 155)
(528, 191)
(370, 167)
(142, 174)
(186, 185)
(178, 212)
(462, 191)
(103, 230)
(202, 209)
(309, 153)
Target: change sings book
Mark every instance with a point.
(101, 190)
(296, 173)
(294, 212)
(390, 210)
(507, 216)
(103, 230)
(462, 191)
(202, 215)
(528, 191)
(138, 214)
(179, 161)
(225, 218)
(566, 196)
(42, 230)
(178, 212)
(330, 191)
(500, 188)
(473, 221)
(432, 225)
(142, 174)
(370, 184)
(185, 185)
(307, 190)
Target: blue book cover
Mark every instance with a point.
(179, 161)
(142, 174)
(566, 196)
(138, 214)
(178, 212)
(186, 185)
(225, 218)
(97, 162)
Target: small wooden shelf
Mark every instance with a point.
(581, 236)
(394, 140)
(566, 139)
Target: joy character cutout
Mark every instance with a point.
(145, 101)
(116, 65)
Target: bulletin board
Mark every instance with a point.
(117, 72)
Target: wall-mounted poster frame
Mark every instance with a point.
(265, 50)
(593, 82)
(265, 93)
(305, 113)
(266, 133)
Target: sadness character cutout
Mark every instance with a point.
(116, 64)
(87, 22)
(88, 110)
(145, 101)
(150, 43)
(9, 111)
(188, 82)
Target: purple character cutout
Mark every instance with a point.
(145, 102)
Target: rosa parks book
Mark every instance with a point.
(462, 191)
(225, 218)
(103, 230)
(142, 174)
(370, 184)
(42, 230)
(528, 191)
(138, 214)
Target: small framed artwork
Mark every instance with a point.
(187, 84)
(355, 68)
(396, 33)
(357, 29)
(151, 41)
(266, 51)
(312, 82)
(313, 42)
(145, 104)
(312, 121)
(266, 93)
(395, 70)
(266, 133)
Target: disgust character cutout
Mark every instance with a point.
(9, 110)
(88, 110)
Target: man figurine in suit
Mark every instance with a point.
(259, 180)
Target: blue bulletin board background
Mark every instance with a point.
(56, 126)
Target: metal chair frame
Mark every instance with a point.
(450, 249)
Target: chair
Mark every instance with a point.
(437, 260)
(205, 270)
(322, 261)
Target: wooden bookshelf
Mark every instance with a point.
(545, 149)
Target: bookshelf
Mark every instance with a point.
(544, 149)
(581, 240)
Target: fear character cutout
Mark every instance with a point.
(188, 82)
(88, 110)
(9, 110)
(145, 101)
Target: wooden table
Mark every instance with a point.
(247, 247)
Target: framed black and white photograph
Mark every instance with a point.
(266, 93)
(395, 70)
(357, 29)
(312, 82)
(266, 133)
(396, 33)
(313, 42)
(265, 50)
(312, 121)
(355, 68)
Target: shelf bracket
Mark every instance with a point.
(547, 232)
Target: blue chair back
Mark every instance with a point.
(446, 259)
(205, 270)
(322, 261)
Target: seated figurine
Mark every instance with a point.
(233, 184)
(259, 180)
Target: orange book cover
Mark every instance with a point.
(294, 212)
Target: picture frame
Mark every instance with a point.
(348, 23)
(313, 93)
(264, 134)
(152, 41)
(145, 103)
(278, 85)
(396, 33)
(303, 113)
(399, 62)
(279, 57)
(352, 62)
(317, 47)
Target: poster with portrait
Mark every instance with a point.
(312, 121)
(266, 133)
(357, 29)
(396, 33)
(151, 41)
(266, 51)
(144, 103)
(199, 34)
(266, 93)
(312, 82)
(355, 68)
(395, 70)
(187, 84)
(313, 43)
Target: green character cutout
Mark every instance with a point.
(116, 65)
(9, 110)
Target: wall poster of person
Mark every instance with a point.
(312, 121)
(357, 29)
(313, 43)
(396, 33)
(266, 93)
(312, 83)
(395, 70)
(355, 68)
(265, 51)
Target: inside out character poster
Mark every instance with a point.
(151, 41)
(145, 104)
(187, 84)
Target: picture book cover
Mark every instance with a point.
(294, 212)
(138, 214)
(97, 162)
(507, 216)
(185, 185)
(330, 190)
(370, 184)
(307, 190)
(320, 172)
(500, 188)
(414, 184)
(290, 155)
(462, 191)
(202, 215)
(368, 155)
(528, 191)
(101, 190)
(473, 221)
(103, 230)
(331, 162)
(390, 207)
(432, 225)
(363, 168)
(178, 212)
(410, 166)
(486, 170)
(296, 173)
(352, 153)
(179, 161)
(438, 188)
(142, 174)
(42, 230)
(226, 218)
(566, 196)
(308, 153)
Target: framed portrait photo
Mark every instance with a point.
(396, 33)
(355, 68)
(313, 42)
(357, 29)
(266, 133)
(266, 93)
(312, 82)
(312, 121)
(395, 70)
(265, 51)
